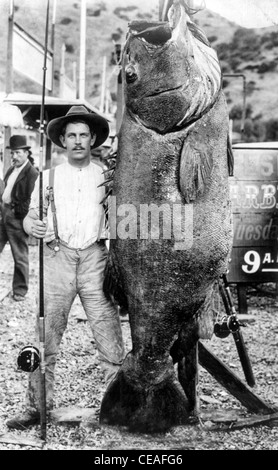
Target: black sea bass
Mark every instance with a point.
(171, 235)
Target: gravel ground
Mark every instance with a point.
(79, 381)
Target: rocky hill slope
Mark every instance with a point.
(251, 52)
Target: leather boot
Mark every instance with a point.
(24, 420)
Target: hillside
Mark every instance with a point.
(250, 52)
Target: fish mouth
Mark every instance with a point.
(153, 35)
(164, 92)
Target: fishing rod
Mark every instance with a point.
(230, 324)
(41, 270)
(30, 357)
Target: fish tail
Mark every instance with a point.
(150, 409)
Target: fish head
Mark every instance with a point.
(171, 74)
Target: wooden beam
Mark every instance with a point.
(5, 292)
(231, 382)
(21, 441)
(257, 420)
(74, 416)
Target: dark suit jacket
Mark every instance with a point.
(2, 187)
(22, 190)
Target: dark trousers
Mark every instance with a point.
(11, 230)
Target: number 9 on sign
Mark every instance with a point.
(253, 260)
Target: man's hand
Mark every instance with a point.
(38, 228)
(34, 226)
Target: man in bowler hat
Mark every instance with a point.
(75, 252)
(19, 183)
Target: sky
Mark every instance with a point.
(246, 13)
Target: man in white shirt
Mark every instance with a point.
(18, 186)
(75, 251)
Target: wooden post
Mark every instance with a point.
(9, 68)
(164, 6)
(241, 295)
(82, 66)
(74, 76)
(9, 85)
(53, 42)
(188, 375)
(120, 97)
(103, 85)
(62, 72)
(197, 386)
(7, 155)
(48, 154)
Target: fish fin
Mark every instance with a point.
(108, 173)
(195, 170)
(151, 409)
(112, 285)
(198, 33)
(207, 313)
(230, 157)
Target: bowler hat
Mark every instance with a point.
(18, 142)
(97, 124)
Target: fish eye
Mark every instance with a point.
(156, 36)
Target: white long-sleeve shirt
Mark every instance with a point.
(77, 199)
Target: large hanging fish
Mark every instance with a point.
(171, 226)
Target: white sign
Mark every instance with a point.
(28, 57)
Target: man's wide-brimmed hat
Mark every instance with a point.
(97, 124)
(18, 142)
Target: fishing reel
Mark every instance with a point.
(28, 359)
(227, 324)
